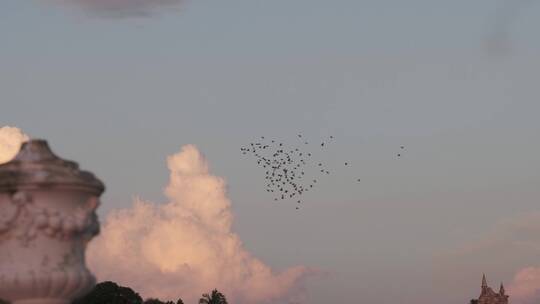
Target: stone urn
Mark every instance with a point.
(47, 217)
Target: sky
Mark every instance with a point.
(123, 86)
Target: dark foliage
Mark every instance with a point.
(215, 297)
(110, 293)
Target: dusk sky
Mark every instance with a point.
(147, 93)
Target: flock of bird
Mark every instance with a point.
(289, 169)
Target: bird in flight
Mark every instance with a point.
(287, 170)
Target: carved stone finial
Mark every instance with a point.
(47, 216)
(35, 150)
(36, 166)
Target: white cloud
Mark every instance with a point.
(11, 139)
(186, 247)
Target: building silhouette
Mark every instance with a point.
(488, 296)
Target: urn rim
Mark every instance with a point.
(35, 166)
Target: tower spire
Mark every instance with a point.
(484, 289)
(501, 290)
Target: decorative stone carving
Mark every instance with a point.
(47, 216)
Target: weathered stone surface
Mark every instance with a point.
(36, 166)
(47, 216)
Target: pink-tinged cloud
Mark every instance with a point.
(124, 8)
(186, 247)
(525, 288)
(506, 253)
(11, 139)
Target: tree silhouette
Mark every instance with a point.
(215, 297)
(110, 293)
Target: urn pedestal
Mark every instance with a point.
(47, 217)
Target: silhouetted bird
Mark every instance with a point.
(287, 167)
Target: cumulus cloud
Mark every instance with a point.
(11, 139)
(124, 8)
(186, 246)
(525, 288)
